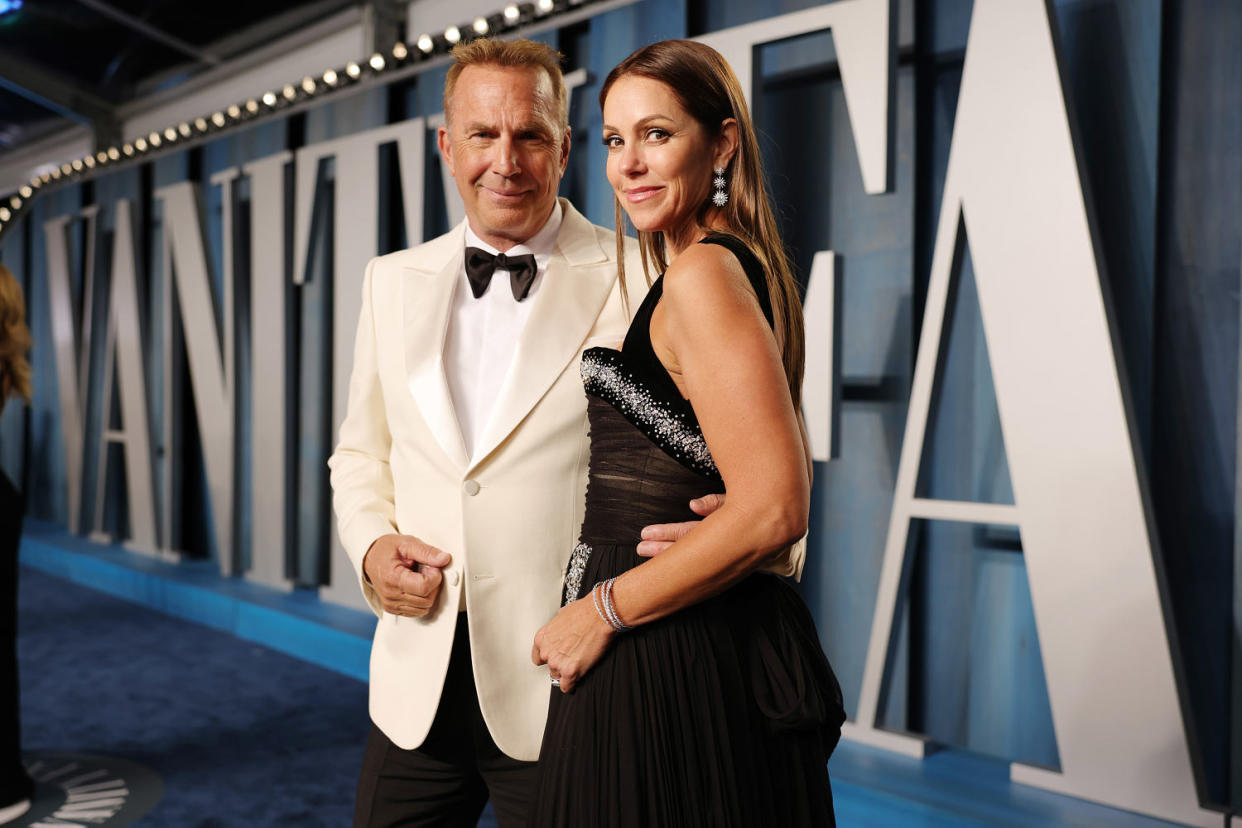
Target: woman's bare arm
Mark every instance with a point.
(710, 332)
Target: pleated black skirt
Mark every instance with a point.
(720, 715)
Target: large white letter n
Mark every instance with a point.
(1013, 191)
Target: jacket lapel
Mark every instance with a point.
(579, 279)
(427, 294)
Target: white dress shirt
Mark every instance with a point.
(483, 333)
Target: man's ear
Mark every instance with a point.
(446, 148)
(565, 149)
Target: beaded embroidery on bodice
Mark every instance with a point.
(635, 382)
(669, 422)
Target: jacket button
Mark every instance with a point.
(470, 487)
(452, 579)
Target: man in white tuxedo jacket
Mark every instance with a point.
(460, 472)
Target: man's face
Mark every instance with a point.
(505, 151)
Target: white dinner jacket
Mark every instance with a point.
(510, 517)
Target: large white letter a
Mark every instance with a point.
(1013, 191)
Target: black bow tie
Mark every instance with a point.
(480, 265)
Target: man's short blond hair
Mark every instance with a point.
(529, 54)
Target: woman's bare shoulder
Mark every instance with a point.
(703, 272)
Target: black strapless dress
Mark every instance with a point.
(723, 714)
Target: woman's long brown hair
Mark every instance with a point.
(14, 338)
(705, 86)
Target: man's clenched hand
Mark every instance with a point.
(405, 573)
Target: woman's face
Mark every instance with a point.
(660, 160)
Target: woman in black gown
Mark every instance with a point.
(691, 686)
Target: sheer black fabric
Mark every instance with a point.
(633, 482)
(723, 714)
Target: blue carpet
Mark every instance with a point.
(952, 789)
(240, 734)
(296, 623)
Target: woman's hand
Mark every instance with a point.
(572, 642)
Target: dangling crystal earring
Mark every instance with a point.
(721, 197)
